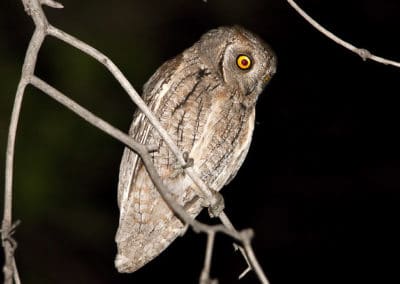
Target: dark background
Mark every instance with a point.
(320, 186)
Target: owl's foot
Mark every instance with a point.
(215, 205)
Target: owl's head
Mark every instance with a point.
(244, 61)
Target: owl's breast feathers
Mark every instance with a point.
(205, 120)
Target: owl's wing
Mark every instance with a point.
(238, 165)
(240, 159)
(237, 160)
(139, 130)
(147, 225)
(130, 161)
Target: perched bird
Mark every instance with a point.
(205, 98)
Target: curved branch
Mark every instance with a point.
(362, 52)
(205, 274)
(28, 68)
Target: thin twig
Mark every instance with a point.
(17, 280)
(88, 116)
(249, 266)
(245, 272)
(27, 70)
(362, 52)
(252, 257)
(205, 273)
(225, 220)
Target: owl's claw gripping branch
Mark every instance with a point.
(216, 205)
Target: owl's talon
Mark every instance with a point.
(216, 205)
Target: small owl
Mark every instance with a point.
(205, 98)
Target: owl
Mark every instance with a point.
(205, 98)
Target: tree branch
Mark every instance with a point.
(10, 269)
(362, 52)
(205, 274)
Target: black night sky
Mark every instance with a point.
(320, 186)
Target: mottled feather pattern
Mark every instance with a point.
(209, 119)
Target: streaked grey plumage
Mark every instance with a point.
(206, 102)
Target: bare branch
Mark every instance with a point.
(52, 4)
(244, 273)
(16, 274)
(362, 52)
(88, 116)
(247, 236)
(7, 214)
(205, 274)
(10, 269)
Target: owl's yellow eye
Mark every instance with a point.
(243, 62)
